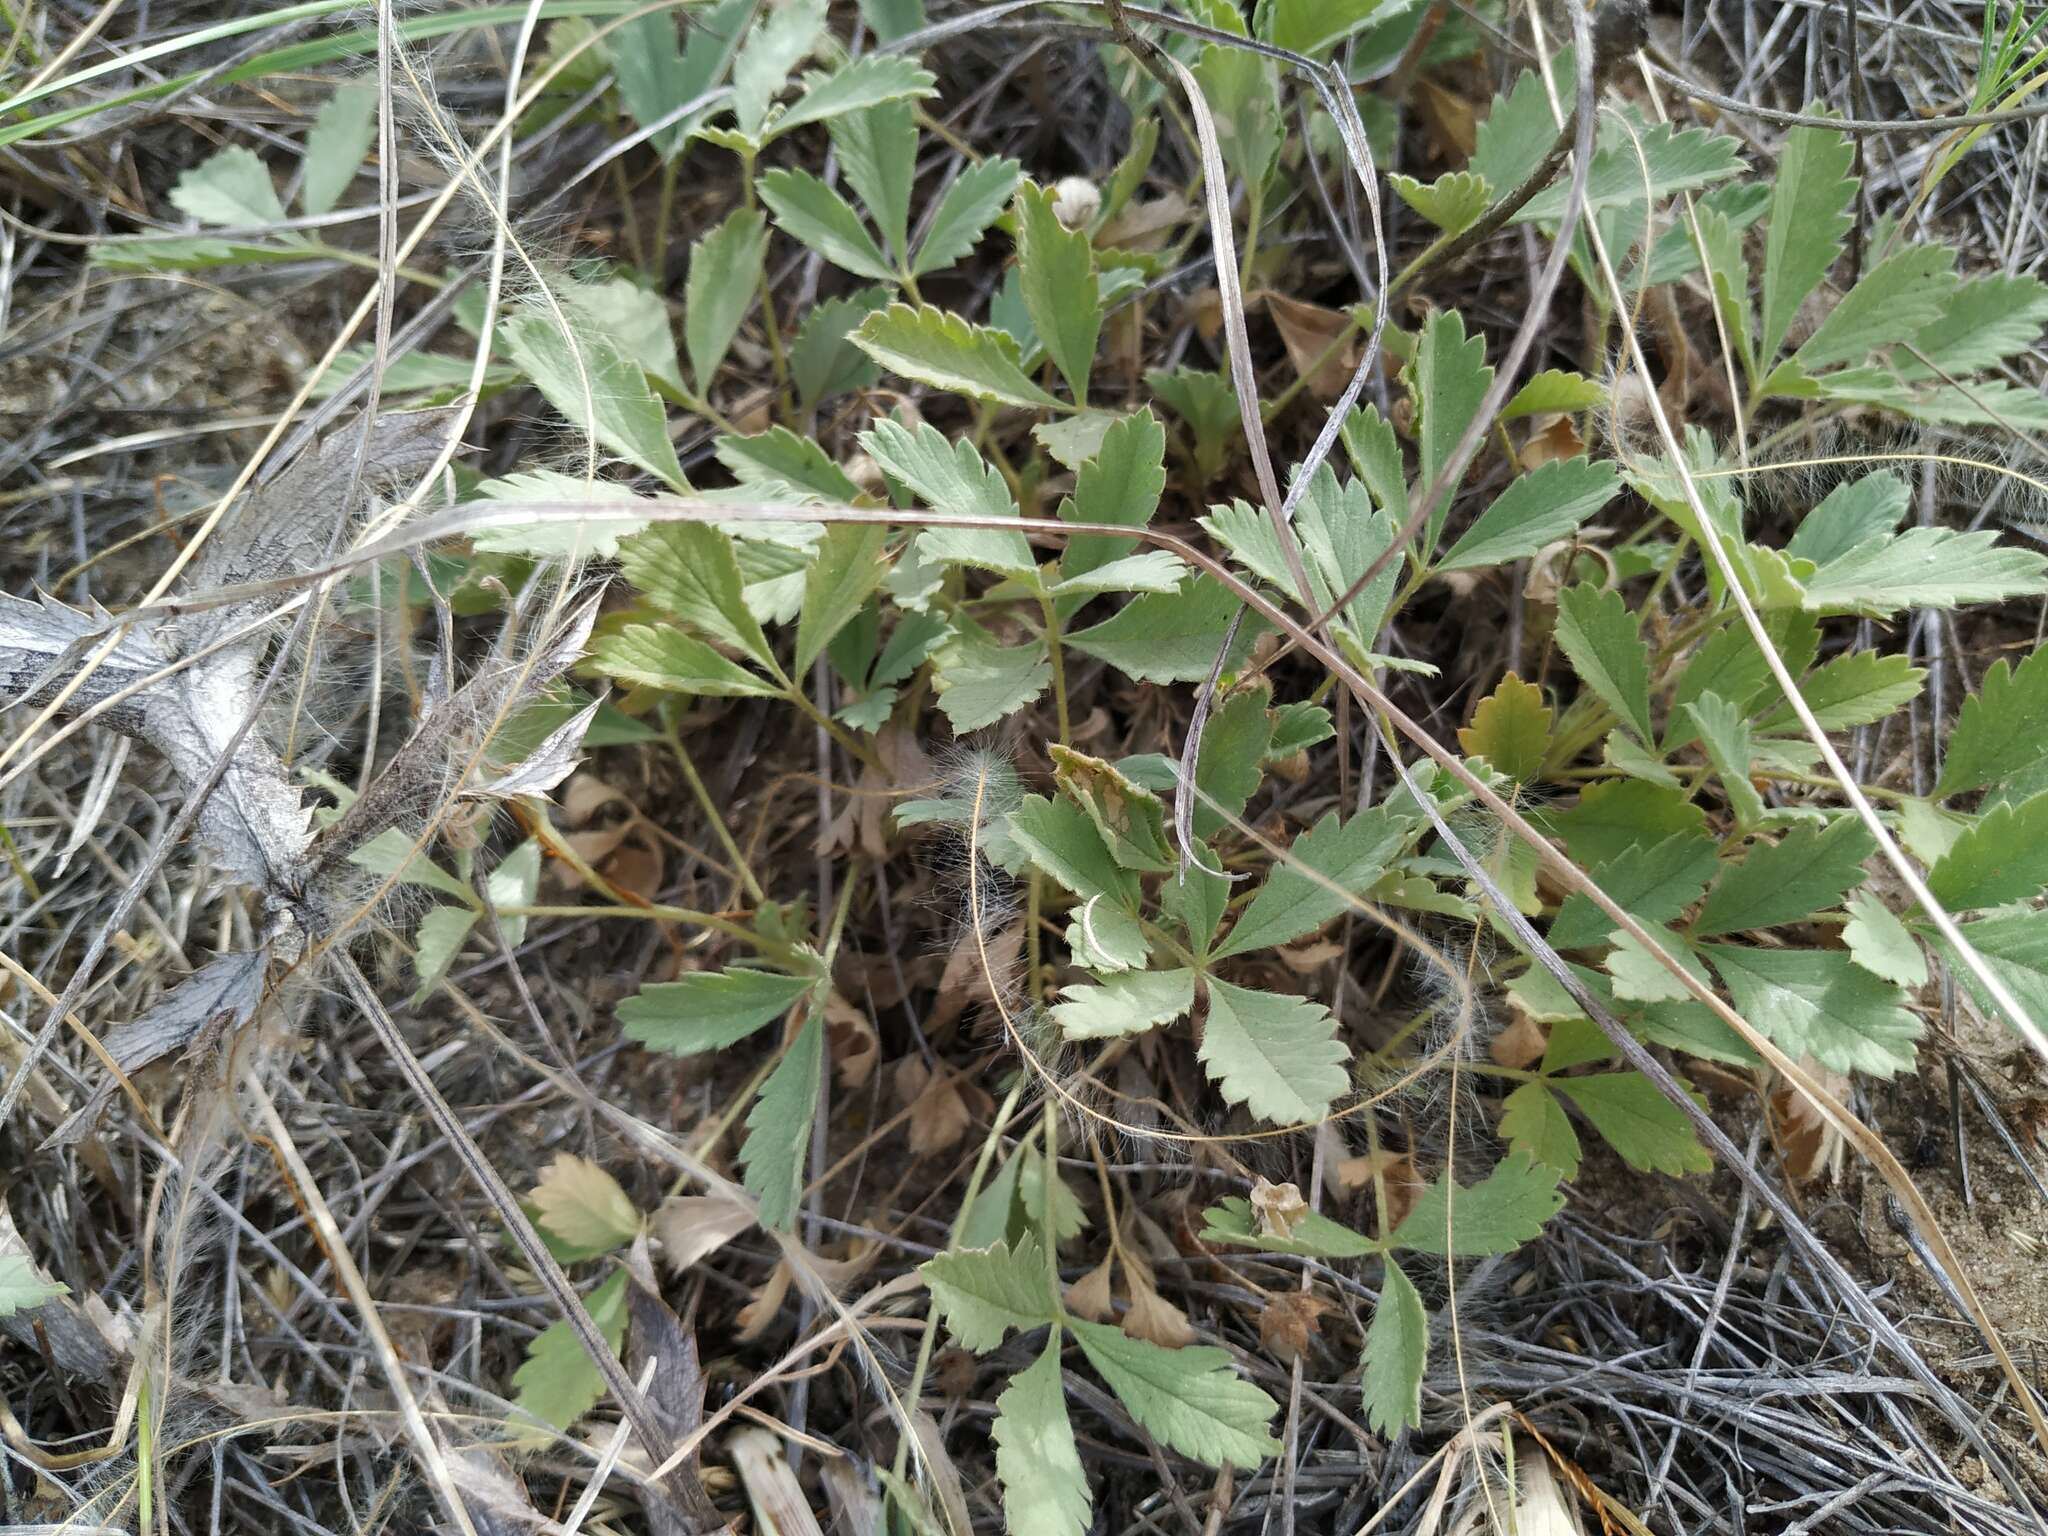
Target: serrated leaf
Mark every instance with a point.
(947, 352)
(436, 942)
(810, 212)
(1190, 1400)
(2015, 946)
(631, 318)
(1277, 1055)
(1881, 944)
(725, 277)
(582, 1207)
(230, 189)
(1539, 508)
(2001, 730)
(1621, 814)
(1510, 141)
(782, 39)
(1633, 1116)
(1056, 266)
(877, 152)
(1902, 293)
(1313, 26)
(1924, 568)
(1502, 1211)
(1725, 737)
(861, 85)
(692, 570)
(709, 1010)
(1677, 160)
(655, 77)
(1120, 483)
(1856, 688)
(1820, 1003)
(1396, 1352)
(1809, 870)
(1510, 728)
(1127, 1003)
(1448, 380)
(601, 390)
(1170, 637)
(984, 1293)
(1984, 321)
(22, 1289)
(851, 561)
(980, 682)
(1599, 635)
(1641, 976)
(779, 1125)
(1850, 517)
(1045, 1490)
(664, 657)
(822, 360)
(1150, 570)
(1653, 883)
(341, 134)
(1131, 819)
(1453, 202)
(1534, 1123)
(1058, 837)
(1233, 756)
(1555, 389)
(973, 202)
(559, 1383)
(2001, 857)
(953, 479)
(1811, 190)
(556, 538)
(1298, 897)
(1314, 1235)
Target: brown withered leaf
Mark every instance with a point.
(1310, 333)
(965, 981)
(940, 1111)
(1289, 1321)
(1277, 1208)
(856, 1047)
(1552, 436)
(693, 1227)
(1089, 1296)
(757, 1315)
(1152, 1317)
(1807, 1144)
(1404, 1185)
(1520, 1045)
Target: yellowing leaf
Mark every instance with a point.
(1510, 728)
(582, 1206)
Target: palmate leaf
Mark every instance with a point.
(1883, 945)
(779, 1125)
(2001, 730)
(980, 681)
(1820, 1003)
(949, 353)
(1396, 1353)
(2000, 858)
(1190, 1400)
(1810, 197)
(983, 1293)
(1058, 837)
(1045, 1490)
(1448, 379)
(877, 152)
(1277, 1055)
(1120, 483)
(709, 1010)
(1856, 688)
(1534, 1122)
(1678, 160)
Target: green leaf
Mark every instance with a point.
(1151, 570)
(1536, 509)
(1208, 404)
(436, 943)
(878, 155)
(780, 461)
(725, 277)
(2015, 946)
(1850, 517)
(1058, 837)
(1396, 1351)
(822, 360)
(632, 319)
(1653, 883)
(655, 77)
(953, 479)
(874, 81)
(1985, 321)
(1730, 665)
(1448, 379)
(1856, 688)
(980, 682)
(1127, 1003)
(2001, 857)
(1312, 26)
(1533, 1122)
(662, 656)
(1598, 633)
(21, 1288)
(1518, 128)
(1678, 160)
(1924, 568)
(1809, 870)
(1810, 195)
(984, 1293)
(601, 390)
(1189, 1400)
(1298, 897)
(1555, 389)
(1277, 1055)
(1902, 293)
(1623, 813)
(1045, 1490)
(691, 570)
(558, 1382)
(851, 561)
(1510, 728)
(1057, 267)
(1453, 202)
(892, 19)
(709, 1010)
(779, 1125)
(1313, 1235)
(1820, 1003)
(2002, 728)
(1632, 1114)
(809, 211)
(1499, 1213)
(783, 38)
(557, 538)
(1130, 818)
(1170, 637)
(1233, 756)
(1725, 737)
(341, 134)
(1881, 944)
(948, 353)
(230, 189)
(975, 199)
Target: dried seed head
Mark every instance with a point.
(1075, 201)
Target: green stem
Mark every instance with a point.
(711, 811)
